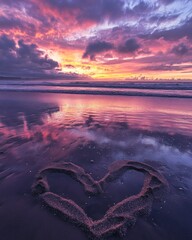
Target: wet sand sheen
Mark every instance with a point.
(40, 130)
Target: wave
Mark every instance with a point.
(179, 90)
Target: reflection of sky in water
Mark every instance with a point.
(93, 131)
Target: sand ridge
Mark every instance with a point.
(118, 217)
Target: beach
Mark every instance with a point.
(48, 130)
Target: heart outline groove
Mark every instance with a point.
(118, 217)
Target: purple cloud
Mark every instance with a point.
(173, 34)
(97, 47)
(166, 67)
(8, 23)
(180, 49)
(167, 2)
(24, 59)
(163, 18)
(130, 46)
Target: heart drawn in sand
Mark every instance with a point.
(118, 217)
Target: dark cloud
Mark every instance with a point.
(6, 45)
(20, 59)
(167, 2)
(161, 67)
(70, 66)
(8, 23)
(97, 47)
(108, 9)
(180, 49)
(142, 7)
(94, 10)
(98, 11)
(166, 67)
(163, 18)
(130, 46)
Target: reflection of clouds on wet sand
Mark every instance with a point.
(93, 132)
(80, 131)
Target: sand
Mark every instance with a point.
(119, 217)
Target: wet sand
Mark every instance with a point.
(39, 130)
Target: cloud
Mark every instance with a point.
(141, 7)
(95, 11)
(86, 10)
(180, 49)
(108, 56)
(130, 46)
(9, 23)
(163, 18)
(167, 2)
(70, 66)
(6, 45)
(166, 67)
(97, 47)
(19, 58)
(114, 30)
(172, 34)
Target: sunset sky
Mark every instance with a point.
(96, 39)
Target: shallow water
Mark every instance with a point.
(39, 129)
